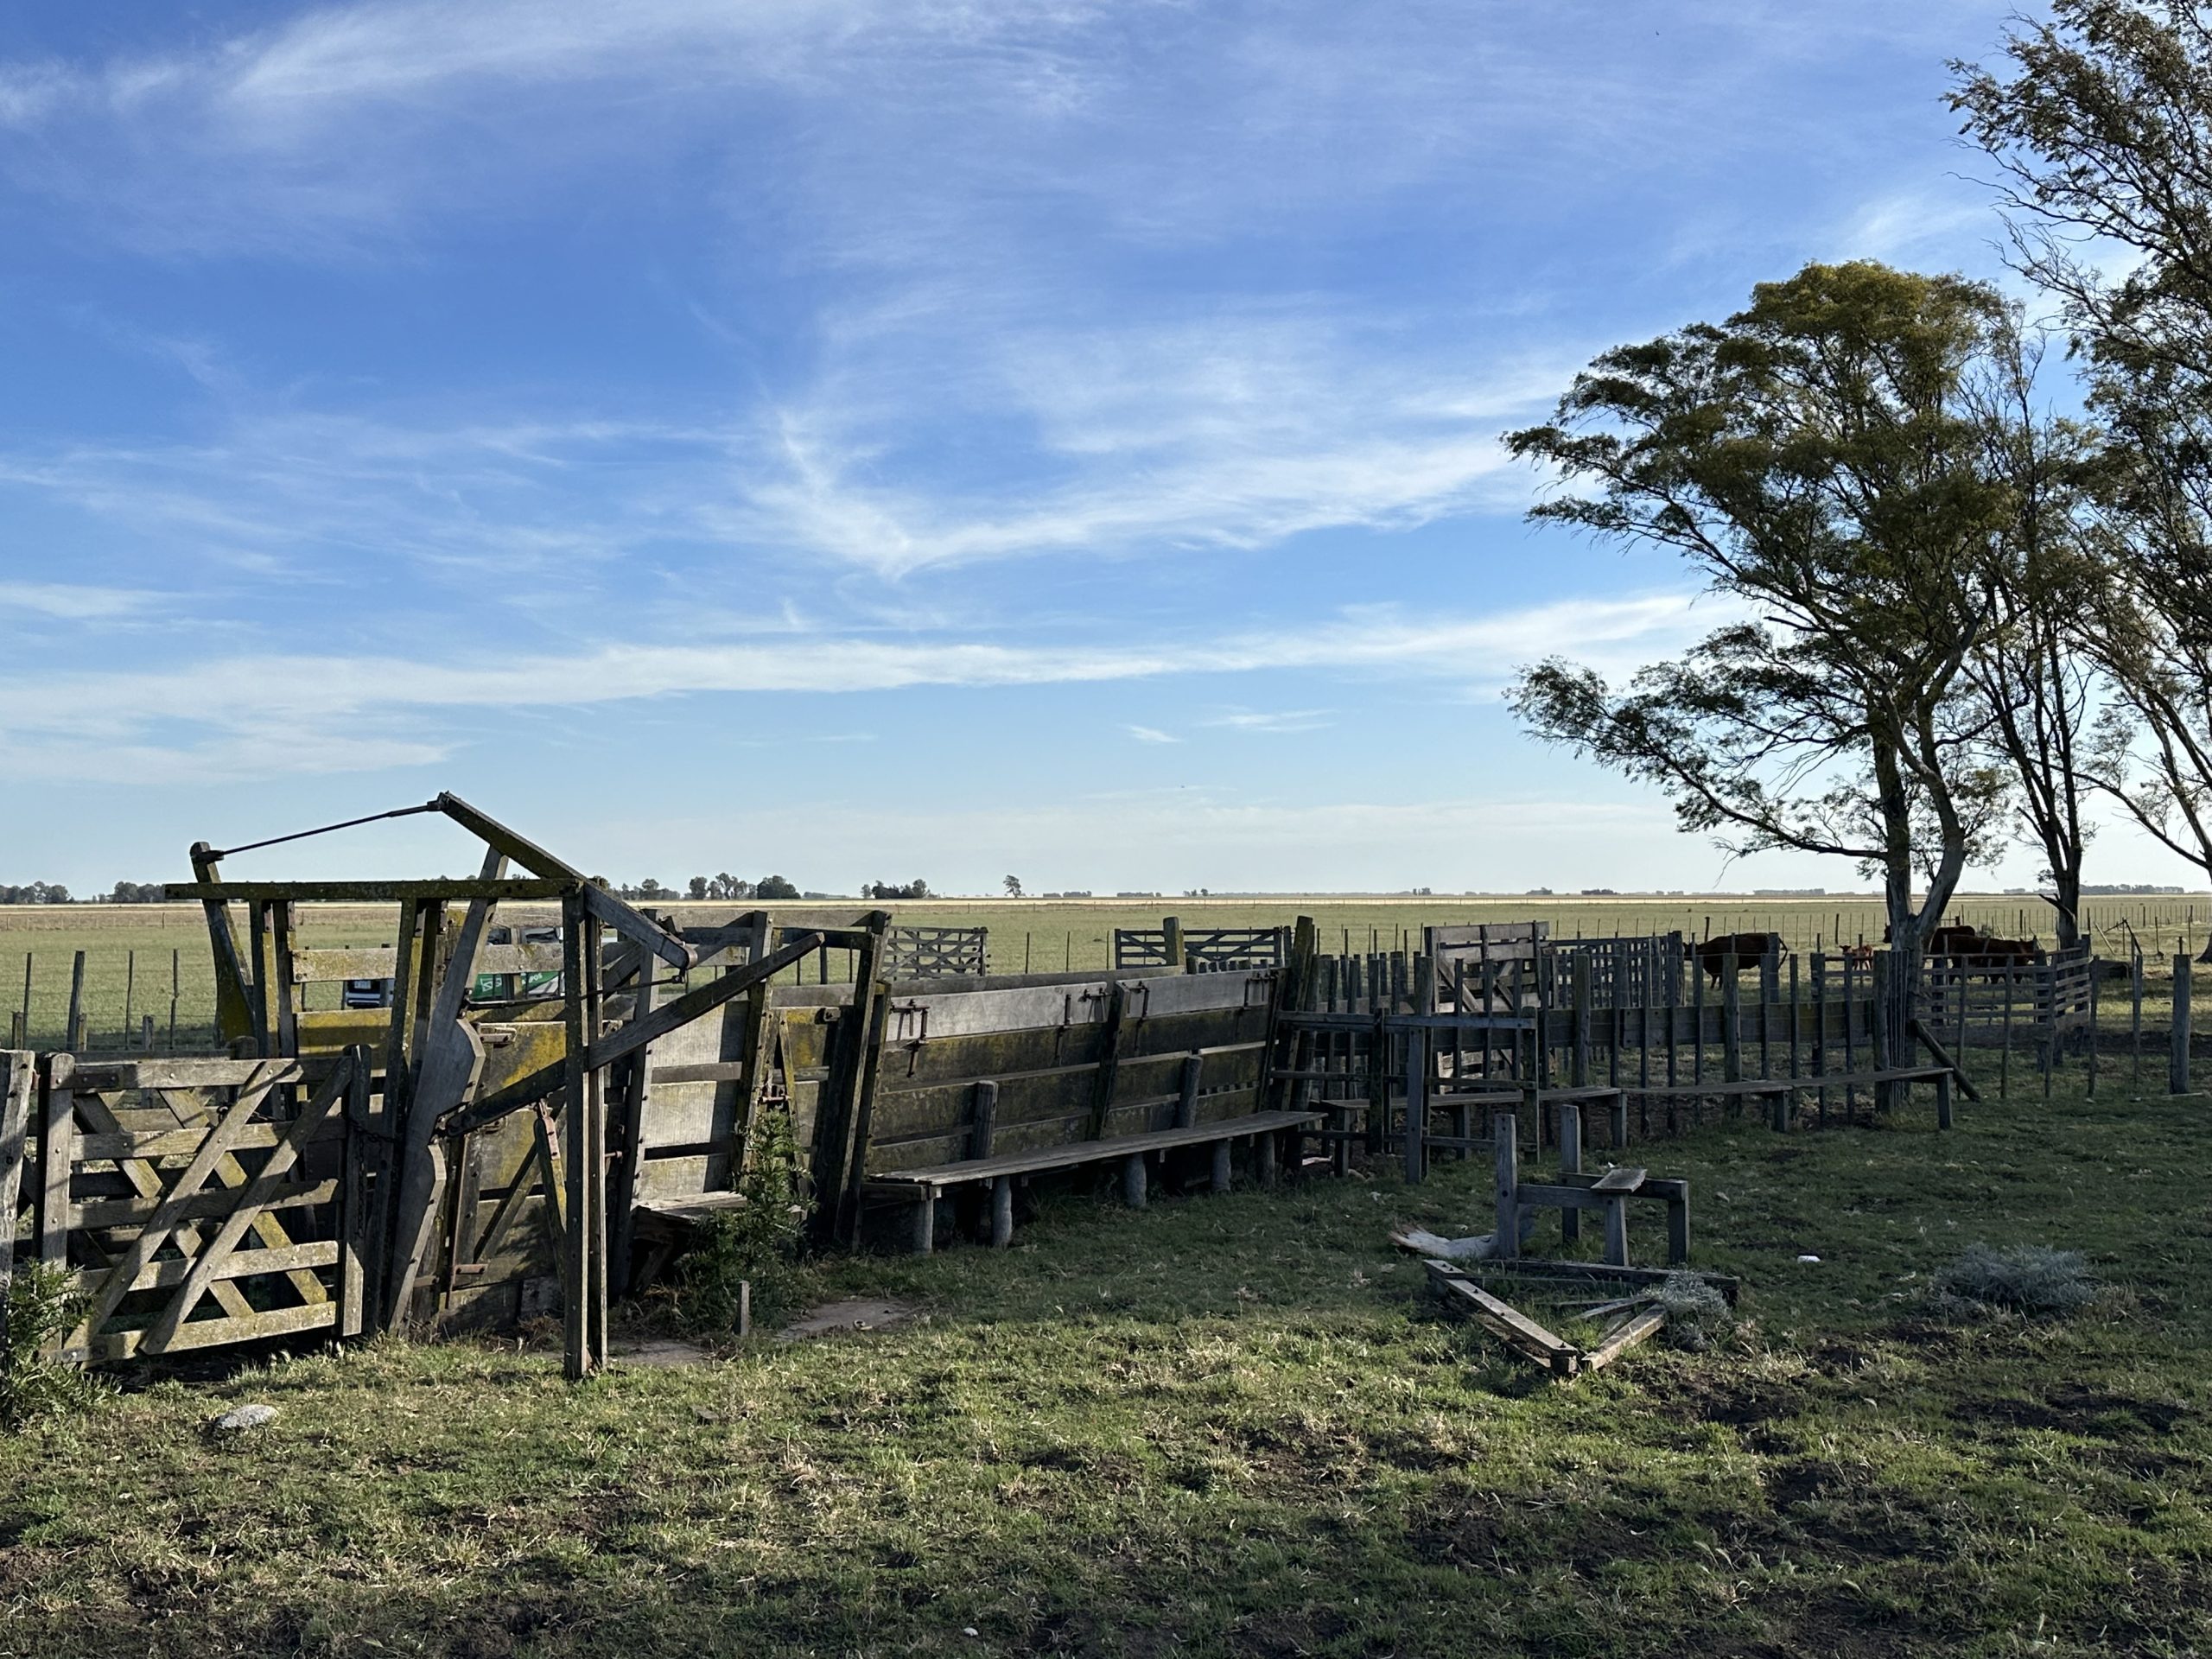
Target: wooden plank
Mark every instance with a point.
(57, 1132)
(1586, 1272)
(148, 1144)
(187, 1073)
(1636, 1328)
(239, 1264)
(99, 1213)
(1619, 1180)
(218, 1333)
(1516, 1329)
(512, 891)
(1085, 1151)
(18, 1088)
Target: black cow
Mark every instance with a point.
(1749, 948)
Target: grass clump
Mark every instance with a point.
(1697, 1314)
(2034, 1280)
(43, 1304)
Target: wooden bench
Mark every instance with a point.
(1572, 1192)
(924, 1188)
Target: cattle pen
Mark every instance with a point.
(521, 1126)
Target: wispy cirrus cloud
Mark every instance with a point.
(399, 711)
(70, 601)
(1276, 720)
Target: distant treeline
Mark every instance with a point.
(52, 892)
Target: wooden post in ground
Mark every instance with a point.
(1820, 1029)
(1770, 995)
(2178, 1054)
(1570, 1163)
(2091, 1085)
(1732, 1020)
(2135, 1018)
(1505, 1139)
(1416, 1142)
(1132, 1181)
(1885, 968)
(1850, 1037)
(1578, 1037)
(577, 1346)
(1697, 1019)
(1002, 1212)
(18, 1089)
(72, 1033)
(1785, 1106)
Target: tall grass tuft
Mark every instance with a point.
(44, 1303)
(2033, 1280)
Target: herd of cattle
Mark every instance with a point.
(1958, 947)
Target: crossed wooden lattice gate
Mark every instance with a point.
(203, 1202)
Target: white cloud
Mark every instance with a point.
(70, 601)
(1150, 734)
(1283, 720)
(79, 722)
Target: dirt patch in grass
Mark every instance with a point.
(2093, 1414)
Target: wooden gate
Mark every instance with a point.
(204, 1202)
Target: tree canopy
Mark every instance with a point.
(1820, 457)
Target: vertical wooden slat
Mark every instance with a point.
(575, 1106)
(284, 1017)
(1505, 1141)
(1416, 1142)
(18, 1088)
(257, 991)
(57, 1146)
(357, 1246)
(72, 1033)
(2177, 1049)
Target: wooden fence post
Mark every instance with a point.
(1885, 969)
(1731, 1020)
(1416, 1145)
(2177, 1057)
(1505, 1138)
(18, 1088)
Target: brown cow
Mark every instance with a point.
(1749, 948)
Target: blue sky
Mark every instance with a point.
(862, 439)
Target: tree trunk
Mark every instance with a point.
(2066, 905)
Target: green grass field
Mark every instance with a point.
(1236, 1426)
(135, 953)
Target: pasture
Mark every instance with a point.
(1234, 1426)
(134, 954)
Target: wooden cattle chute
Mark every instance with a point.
(485, 1148)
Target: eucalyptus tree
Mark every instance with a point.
(2037, 679)
(2100, 120)
(1819, 459)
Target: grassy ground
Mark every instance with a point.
(135, 953)
(1234, 1425)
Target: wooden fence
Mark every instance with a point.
(1199, 949)
(443, 1163)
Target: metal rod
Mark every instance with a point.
(301, 835)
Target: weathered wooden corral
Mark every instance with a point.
(459, 1159)
(560, 1083)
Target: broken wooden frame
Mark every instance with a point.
(1634, 1323)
